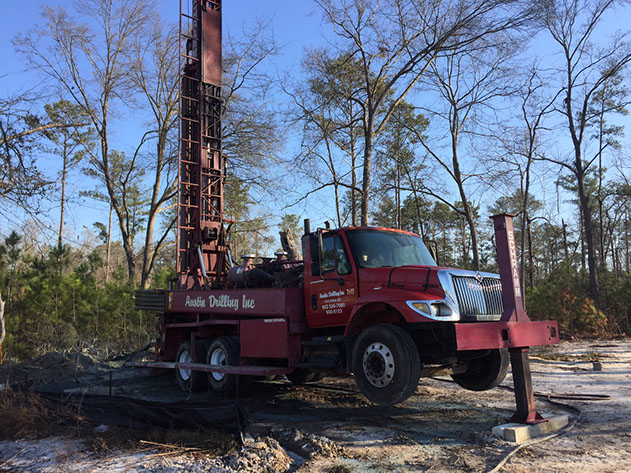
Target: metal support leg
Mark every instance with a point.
(524, 394)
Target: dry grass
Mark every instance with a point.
(26, 416)
(161, 442)
(551, 356)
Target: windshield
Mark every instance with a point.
(377, 248)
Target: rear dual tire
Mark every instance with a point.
(189, 380)
(226, 351)
(220, 351)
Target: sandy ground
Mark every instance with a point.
(329, 427)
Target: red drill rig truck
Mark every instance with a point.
(367, 301)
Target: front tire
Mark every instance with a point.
(386, 364)
(484, 372)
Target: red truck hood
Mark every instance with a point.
(419, 280)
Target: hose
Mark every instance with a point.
(550, 398)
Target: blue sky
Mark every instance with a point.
(295, 25)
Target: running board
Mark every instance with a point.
(238, 370)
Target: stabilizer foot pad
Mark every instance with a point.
(519, 433)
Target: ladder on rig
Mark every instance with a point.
(201, 254)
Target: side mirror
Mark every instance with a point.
(320, 255)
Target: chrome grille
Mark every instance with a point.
(478, 300)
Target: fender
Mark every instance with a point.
(372, 310)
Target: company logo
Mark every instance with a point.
(222, 301)
(478, 276)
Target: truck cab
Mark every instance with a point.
(351, 269)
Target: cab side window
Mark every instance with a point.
(334, 255)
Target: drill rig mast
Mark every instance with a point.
(202, 257)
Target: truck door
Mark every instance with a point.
(332, 289)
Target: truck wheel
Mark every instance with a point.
(386, 364)
(300, 376)
(485, 372)
(225, 351)
(188, 380)
(221, 352)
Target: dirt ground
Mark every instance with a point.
(329, 427)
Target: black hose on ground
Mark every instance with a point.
(550, 398)
(529, 443)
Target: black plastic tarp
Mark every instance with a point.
(134, 413)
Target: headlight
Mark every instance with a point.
(440, 309)
(437, 310)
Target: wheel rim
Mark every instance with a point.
(218, 357)
(185, 357)
(378, 364)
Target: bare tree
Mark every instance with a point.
(524, 145)
(587, 68)
(88, 61)
(395, 41)
(155, 75)
(331, 123)
(467, 83)
(251, 134)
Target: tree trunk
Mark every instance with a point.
(64, 171)
(531, 264)
(524, 221)
(468, 214)
(626, 243)
(466, 208)
(148, 251)
(474, 238)
(288, 242)
(353, 172)
(589, 236)
(336, 189)
(107, 247)
(566, 250)
(368, 145)
(2, 329)
(148, 254)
